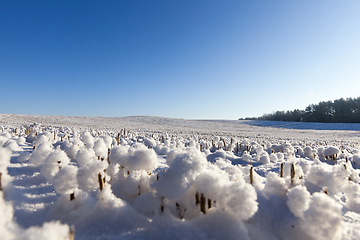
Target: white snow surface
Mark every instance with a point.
(161, 178)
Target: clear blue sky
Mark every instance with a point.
(182, 59)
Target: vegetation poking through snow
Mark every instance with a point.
(151, 185)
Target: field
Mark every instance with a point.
(161, 178)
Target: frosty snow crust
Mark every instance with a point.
(128, 185)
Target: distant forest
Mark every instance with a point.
(337, 111)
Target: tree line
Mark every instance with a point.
(337, 111)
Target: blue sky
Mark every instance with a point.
(181, 59)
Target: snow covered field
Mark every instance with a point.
(160, 178)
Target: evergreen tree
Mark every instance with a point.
(340, 111)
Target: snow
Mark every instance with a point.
(181, 174)
(298, 200)
(326, 211)
(176, 178)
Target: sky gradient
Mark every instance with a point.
(180, 59)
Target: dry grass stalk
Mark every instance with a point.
(118, 139)
(72, 233)
(197, 198)
(203, 204)
(292, 173)
(162, 204)
(251, 176)
(292, 170)
(209, 203)
(282, 170)
(108, 156)
(101, 182)
(72, 196)
(180, 213)
(224, 144)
